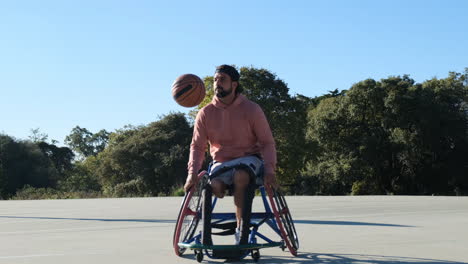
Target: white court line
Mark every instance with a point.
(50, 255)
(377, 214)
(31, 256)
(76, 229)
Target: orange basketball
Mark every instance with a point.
(188, 90)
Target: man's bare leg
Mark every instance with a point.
(241, 181)
(218, 187)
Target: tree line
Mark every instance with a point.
(388, 136)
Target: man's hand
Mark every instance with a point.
(191, 180)
(270, 180)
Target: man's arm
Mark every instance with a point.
(267, 147)
(197, 150)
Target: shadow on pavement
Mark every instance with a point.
(92, 219)
(297, 222)
(316, 222)
(318, 258)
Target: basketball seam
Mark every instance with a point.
(194, 78)
(183, 91)
(186, 94)
(180, 83)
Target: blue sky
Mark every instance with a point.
(106, 64)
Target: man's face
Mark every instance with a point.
(222, 84)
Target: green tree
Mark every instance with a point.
(433, 141)
(148, 160)
(85, 143)
(3, 180)
(81, 177)
(61, 157)
(330, 168)
(37, 136)
(391, 136)
(22, 163)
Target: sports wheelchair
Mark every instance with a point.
(198, 204)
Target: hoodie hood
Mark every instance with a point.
(219, 104)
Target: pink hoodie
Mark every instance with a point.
(233, 131)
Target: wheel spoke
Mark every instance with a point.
(189, 211)
(284, 211)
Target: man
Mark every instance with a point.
(238, 133)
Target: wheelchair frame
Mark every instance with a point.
(198, 204)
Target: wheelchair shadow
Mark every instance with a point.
(329, 258)
(350, 223)
(92, 219)
(306, 222)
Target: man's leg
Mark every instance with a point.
(241, 181)
(218, 187)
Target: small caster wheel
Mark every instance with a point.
(181, 251)
(199, 255)
(255, 255)
(283, 246)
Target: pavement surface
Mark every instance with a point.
(332, 230)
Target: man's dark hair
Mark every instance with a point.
(233, 73)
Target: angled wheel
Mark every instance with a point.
(255, 255)
(189, 215)
(284, 220)
(199, 255)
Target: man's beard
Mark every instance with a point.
(221, 92)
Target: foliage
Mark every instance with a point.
(30, 193)
(86, 143)
(61, 157)
(133, 188)
(392, 136)
(81, 178)
(148, 160)
(22, 162)
(178, 192)
(37, 136)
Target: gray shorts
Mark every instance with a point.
(224, 171)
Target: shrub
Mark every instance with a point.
(30, 193)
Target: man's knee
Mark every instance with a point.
(218, 188)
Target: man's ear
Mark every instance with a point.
(235, 85)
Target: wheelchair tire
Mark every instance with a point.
(189, 215)
(284, 220)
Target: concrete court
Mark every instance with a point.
(332, 230)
